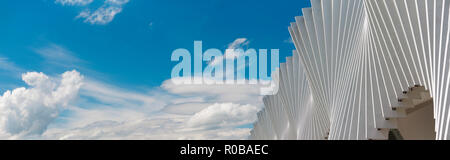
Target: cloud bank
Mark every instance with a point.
(28, 111)
(170, 112)
(102, 111)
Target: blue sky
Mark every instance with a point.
(131, 51)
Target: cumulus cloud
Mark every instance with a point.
(224, 115)
(28, 111)
(105, 13)
(189, 108)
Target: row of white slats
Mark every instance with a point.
(353, 61)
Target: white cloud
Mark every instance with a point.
(74, 2)
(220, 93)
(105, 13)
(28, 111)
(239, 43)
(224, 115)
(116, 2)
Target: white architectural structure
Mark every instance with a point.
(363, 69)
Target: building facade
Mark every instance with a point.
(363, 70)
